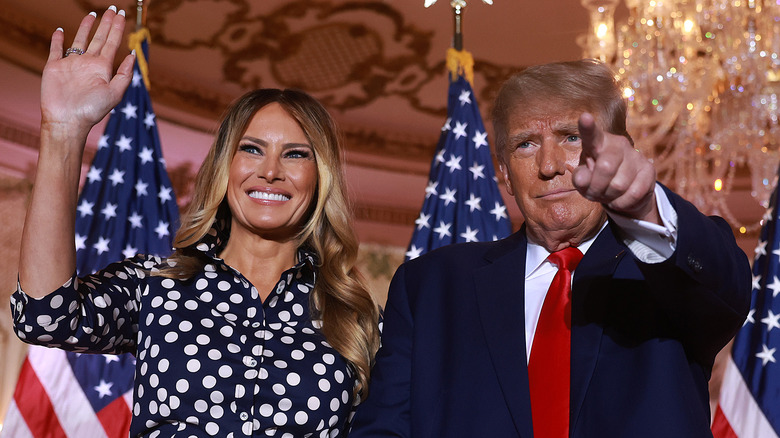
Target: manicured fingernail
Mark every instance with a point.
(112, 8)
(59, 29)
(94, 14)
(132, 52)
(121, 12)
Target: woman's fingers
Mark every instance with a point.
(55, 48)
(82, 35)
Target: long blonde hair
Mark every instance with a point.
(340, 300)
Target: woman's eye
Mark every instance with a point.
(252, 149)
(298, 153)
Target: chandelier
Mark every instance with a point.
(702, 81)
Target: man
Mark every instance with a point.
(660, 290)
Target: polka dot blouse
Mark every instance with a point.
(211, 358)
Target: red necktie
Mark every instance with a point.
(548, 369)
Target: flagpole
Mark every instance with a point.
(457, 9)
(140, 19)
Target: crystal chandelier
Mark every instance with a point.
(703, 83)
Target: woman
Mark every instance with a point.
(258, 322)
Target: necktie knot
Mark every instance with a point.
(567, 259)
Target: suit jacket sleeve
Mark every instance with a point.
(706, 283)
(386, 411)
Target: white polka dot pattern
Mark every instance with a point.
(212, 360)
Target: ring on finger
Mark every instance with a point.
(73, 50)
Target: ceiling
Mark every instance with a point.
(377, 65)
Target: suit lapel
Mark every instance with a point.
(499, 295)
(596, 267)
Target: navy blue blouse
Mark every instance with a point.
(212, 359)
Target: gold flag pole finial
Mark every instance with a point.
(459, 61)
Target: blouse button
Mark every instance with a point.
(244, 416)
(255, 324)
(250, 361)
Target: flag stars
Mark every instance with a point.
(775, 286)
(422, 221)
(81, 242)
(130, 111)
(164, 194)
(479, 139)
(102, 245)
(109, 210)
(470, 235)
(440, 156)
(135, 220)
(448, 196)
(465, 97)
(85, 208)
(447, 125)
(413, 252)
(766, 355)
(474, 203)
(756, 282)
(103, 142)
(162, 229)
(140, 188)
(453, 163)
(128, 252)
(477, 171)
(117, 177)
(124, 143)
(760, 249)
(750, 318)
(145, 155)
(104, 389)
(431, 189)
(499, 211)
(94, 174)
(149, 120)
(771, 321)
(136, 82)
(460, 130)
(443, 230)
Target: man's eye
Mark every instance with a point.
(573, 138)
(524, 145)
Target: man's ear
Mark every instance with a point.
(507, 181)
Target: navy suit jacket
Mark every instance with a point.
(644, 338)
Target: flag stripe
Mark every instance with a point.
(15, 429)
(115, 418)
(739, 408)
(71, 405)
(32, 402)
(720, 425)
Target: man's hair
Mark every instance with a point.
(587, 84)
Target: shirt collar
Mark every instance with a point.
(536, 255)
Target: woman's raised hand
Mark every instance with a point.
(78, 90)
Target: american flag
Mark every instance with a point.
(462, 199)
(749, 402)
(127, 206)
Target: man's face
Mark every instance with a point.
(543, 148)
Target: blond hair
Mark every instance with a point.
(587, 84)
(340, 300)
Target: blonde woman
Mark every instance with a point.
(258, 324)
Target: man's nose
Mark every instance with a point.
(551, 159)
